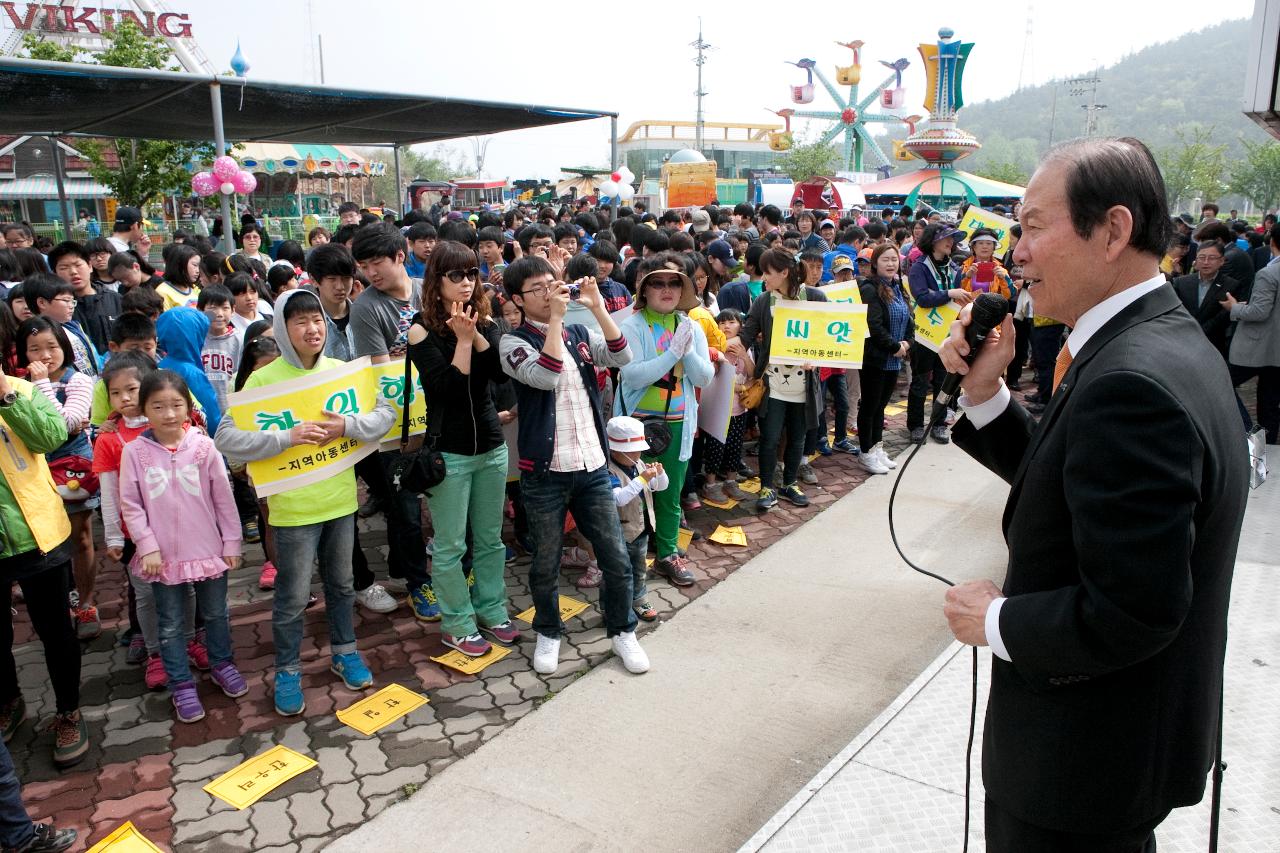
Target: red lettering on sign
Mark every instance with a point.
(52, 17)
(148, 28)
(84, 18)
(183, 31)
(21, 23)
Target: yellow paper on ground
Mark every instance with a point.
(346, 390)
(975, 218)
(455, 659)
(933, 325)
(751, 486)
(827, 334)
(382, 708)
(727, 503)
(894, 410)
(845, 291)
(569, 608)
(125, 839)
(246, 784)
(683, 539)
(389, 379)
(729, 536)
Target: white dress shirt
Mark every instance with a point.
(984, 413)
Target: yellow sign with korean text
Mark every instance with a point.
(845, 291)
(729, 535)
(975, 218)
(467, 665)
(827, 334)
(389, 377)
(381, 709)
(345, 390)
(569, 608)
(246, 784)
(125, 839)
(934, 324)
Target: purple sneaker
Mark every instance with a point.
(187, 703)
(226, 676)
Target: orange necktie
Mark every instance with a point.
(1061, 366)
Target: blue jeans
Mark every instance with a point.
(589, 496)
(638, 551)
(171, 613)
(296, 552)
(16, 827)
(406, 549)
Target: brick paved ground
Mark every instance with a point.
(146, 768)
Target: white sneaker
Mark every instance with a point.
(627, 647)
(574, 557)
(546, 657)
(871, 463)
(376, 599)
(883, 456)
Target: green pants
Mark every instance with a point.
(473, 492)
(666, 503)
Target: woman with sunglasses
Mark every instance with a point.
(453, 344)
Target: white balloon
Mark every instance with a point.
(227, 188)
(627, 175)
(626, 193)
(608, 188)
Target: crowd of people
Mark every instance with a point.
(561, 352)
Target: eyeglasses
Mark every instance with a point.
(69, 300)
(542, 288)
(664, 283)
(459, 276)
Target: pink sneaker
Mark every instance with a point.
(506, 633)
(267, 579)
(198, 655)
(591, 578)
(155, 676)
(575, 557)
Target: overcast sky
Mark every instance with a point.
(634, 59)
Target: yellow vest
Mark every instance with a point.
(31, 483)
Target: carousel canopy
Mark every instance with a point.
(933, 182)
(67, 99)
(309, 160)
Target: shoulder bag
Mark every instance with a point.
(416, 471)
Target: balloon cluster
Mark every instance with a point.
(226, 177)
(617, 188)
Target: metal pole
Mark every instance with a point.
(62, 189)
(320, 44)
(399, 183)
(613, 143)
(220, 144)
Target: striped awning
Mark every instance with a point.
(45, 186)
(307, 159)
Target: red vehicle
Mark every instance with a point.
(819, 193)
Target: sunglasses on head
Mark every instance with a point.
(459, 276)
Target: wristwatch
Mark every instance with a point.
(9, 399)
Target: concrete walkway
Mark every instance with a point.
(756, 686)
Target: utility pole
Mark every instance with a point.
(1088, 85)
(701, 46)
(1027, 66)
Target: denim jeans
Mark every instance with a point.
(472, 494)
(173, 613)
(16, 827)
(589, 496)
(638, 551)
(406, 549)
(836, 384)
(149, 621)
(781, 415)
(296, 552)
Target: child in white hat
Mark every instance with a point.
(632, 479)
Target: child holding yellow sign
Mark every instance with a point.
(316, 520)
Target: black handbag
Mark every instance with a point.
(416, 472)
(657, 432)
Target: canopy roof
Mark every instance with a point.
(98, 100)
(308, 159)
(934, 182)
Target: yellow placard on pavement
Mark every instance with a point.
(845, 291)
(246, 784)
(569, 608)
(729, 535)
(683, 538)
(830, 334)
(934, 324)
(975, 218)
(467, 665)
(727, 503)
(125, 839)
(751, 486)
(389, 377)
(382, 708)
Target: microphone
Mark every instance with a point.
(988, 312)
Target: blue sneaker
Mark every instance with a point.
(847, 446)
(823, 447)
(425, 606)
(288, 690)
(351, 669)
(511, 555)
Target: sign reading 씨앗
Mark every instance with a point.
(830, 334)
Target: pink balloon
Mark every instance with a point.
(204, 184)
(225, 168)
(245, 182)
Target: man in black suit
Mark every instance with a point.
(1236, 263)
(1202, 293)
(1122, 524)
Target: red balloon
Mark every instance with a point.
(616, 177)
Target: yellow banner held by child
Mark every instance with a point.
(933, 325)
(975, 218)
(245, 785)
(729, 536)
(569, 608)
(845, 291)
(389, 377)
(827, 334)
(125, 839)
(467, 665)
(381, 709)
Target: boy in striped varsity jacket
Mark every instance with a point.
(562, 449)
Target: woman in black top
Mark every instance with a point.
(453, 344)
(890, 330)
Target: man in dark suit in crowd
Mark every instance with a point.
(1122, 524)
(1202, 293)
(1236, 263)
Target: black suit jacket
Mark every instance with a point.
(1212, 317)
(1122, 525)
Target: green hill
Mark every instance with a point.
(1193, 81)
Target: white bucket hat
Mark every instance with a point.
(626, 434)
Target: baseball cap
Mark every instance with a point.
(842, 262)
(865, 255)
(126, 218)
(721, 250)
(699, 221)
(826, 223)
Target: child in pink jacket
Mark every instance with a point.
(177, 503)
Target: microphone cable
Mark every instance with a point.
(934, 420)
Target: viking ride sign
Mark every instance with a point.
(92, 20)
